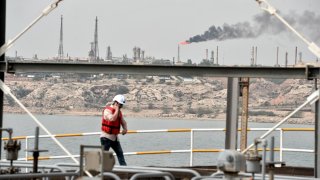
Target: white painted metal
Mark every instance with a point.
(311, 99)
(281, 145)
(192, 140)
(191, 148)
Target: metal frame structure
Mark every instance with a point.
(233, 73)
(2, 58)
(233, 91)
(307, 72)
(316, 138)
(230, 72)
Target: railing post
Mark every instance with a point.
(191, 148)
(26, 152)
(281, 145)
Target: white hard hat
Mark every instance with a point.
(120, 99)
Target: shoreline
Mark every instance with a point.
(172, 100)
(157, 114)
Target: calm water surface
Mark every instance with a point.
(56, 124)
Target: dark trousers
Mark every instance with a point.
(115, 145)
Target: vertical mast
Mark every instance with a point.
(96, 48)
(60, 51)
(217, 53)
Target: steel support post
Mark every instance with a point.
(2, 58)
(316, 134)
(232, 113)
(244, 112)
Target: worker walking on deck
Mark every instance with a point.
(112, 119)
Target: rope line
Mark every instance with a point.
(7, 91)
(4, 48)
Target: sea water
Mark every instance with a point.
(23, 125)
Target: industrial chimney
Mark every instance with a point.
(212, 57)
(252, 56)
(134, 53)
(256, 56)
(217, 54)
(60, 51)
(207, 54)
(109, 53)
(142, 55)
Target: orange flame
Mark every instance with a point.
(184, 43)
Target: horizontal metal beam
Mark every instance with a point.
(207, 71)
(38, 175)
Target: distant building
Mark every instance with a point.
(161, 62)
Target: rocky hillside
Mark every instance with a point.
(156, 96)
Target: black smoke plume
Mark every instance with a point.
(264, 23)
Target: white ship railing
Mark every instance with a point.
(281, 147)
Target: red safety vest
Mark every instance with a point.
(111, 127)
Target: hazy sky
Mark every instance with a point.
(157, 26)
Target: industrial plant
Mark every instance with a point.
(139, 56)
